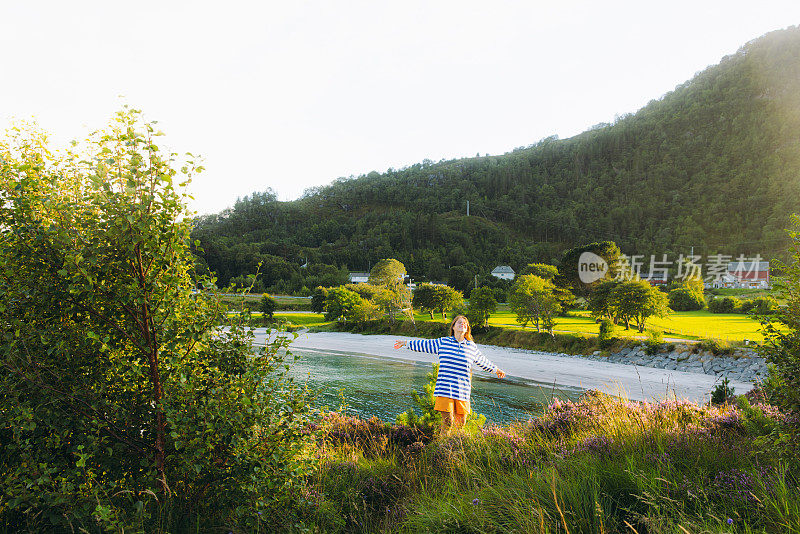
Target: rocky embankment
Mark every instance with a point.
(743, 365)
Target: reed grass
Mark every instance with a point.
(600, 465)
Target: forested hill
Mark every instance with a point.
(713, 164)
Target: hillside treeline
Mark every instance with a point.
(713, 164)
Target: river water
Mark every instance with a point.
(376, 386)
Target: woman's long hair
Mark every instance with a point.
(468, 333)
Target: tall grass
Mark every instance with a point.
(600, 465)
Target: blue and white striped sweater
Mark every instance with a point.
(455, 362)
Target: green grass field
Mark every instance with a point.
(682, 325)
(301, 319)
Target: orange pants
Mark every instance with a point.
(444, 404)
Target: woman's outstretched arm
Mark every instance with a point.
(484, 363)
(420, 345)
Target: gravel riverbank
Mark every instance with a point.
(632, 380)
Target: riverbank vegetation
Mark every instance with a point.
(600, 465)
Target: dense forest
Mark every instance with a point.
(713, 164)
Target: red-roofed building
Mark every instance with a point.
(749, 274)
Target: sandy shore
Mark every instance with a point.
(633, 382)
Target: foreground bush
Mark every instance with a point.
(124, 407)
(782, 349)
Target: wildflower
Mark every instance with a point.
(729, 521)
(476, 502)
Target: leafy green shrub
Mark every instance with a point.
(341, 304)
(722, 392)
(782, 348)
(715, 346)
(431, 420)
(606, 336)
(318, 299)
(655, 336)
(480, 307)
(755, 421)
(684, 299)
(267, 307)
(764, 305)
(654, 340)
(724, 305)
(125, 407)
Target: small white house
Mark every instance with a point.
(359, 278)
(504, 272)
(726, 280)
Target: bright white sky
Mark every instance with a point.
(293, 94)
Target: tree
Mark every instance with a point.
(341, 304)
(387, 272)
(267, 306)
(460, 278)
(568, 276)
(685, 299)
(764, 305)
(481, 306)
(637, 300)
(116, 381)
(394, 296)
(318, 297)
(431, 419)
(367, 291)
(533, 300)
(424, 298)
(724, 305)
(437, 298)
(686, 294)
(447, 299)
(622, 180)
(599, 300)
(366, 310)
(542, 270)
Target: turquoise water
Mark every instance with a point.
(372, 386)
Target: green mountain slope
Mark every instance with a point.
(714, 164)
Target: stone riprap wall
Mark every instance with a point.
(743, 365)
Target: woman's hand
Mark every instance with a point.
(500, 374)
(399, 344)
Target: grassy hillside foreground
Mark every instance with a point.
(600, 465)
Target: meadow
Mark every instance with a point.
(696, 325)
(701, 324)
(599, 465)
